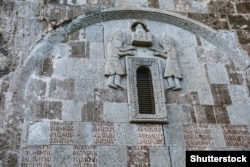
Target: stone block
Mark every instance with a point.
(125, 134)
(111, 156)
(115, 112)
(197, 135)
(217, 136)
(92, 112)
(243, 7)
(84, 89)
(204, 114)
(178, 113)
(159, 157)
(46, 68)
(62, 155)
(83, 133)
(39, 133)
(103, 133)
(94, 33)
(236, 136)
(153, 3)
(61, 132)
(62, 89)
(221, 95)
(49, 110)
(138, 156)
(111, 95)
(174, 135)
(131, 3)
(84, 156)
(239, 114)
(239, 94)
(177, 156)
(239, 21)
(78, 50)
(179, 97)
(150, 135)
(96, 50)
(217, 74)
(36, 88)
(36, 156)
(71, 110)
(221, 114)
(205, 94)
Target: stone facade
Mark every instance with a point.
(56, 108)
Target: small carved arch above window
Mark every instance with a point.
(145, 91)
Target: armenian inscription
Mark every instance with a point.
(150, 135)
(103, 133)
(197, 135)
(236, 136)
(61, 132)
(36, 156)
(138, 156)
(84, 156)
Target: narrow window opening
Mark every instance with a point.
(145, 91)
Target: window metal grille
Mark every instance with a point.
(145, 91)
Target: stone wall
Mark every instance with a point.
(66, 113)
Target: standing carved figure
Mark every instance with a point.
(113, 68)
(172, 70)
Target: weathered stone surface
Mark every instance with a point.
(110, 95)
(62, 155)
(46, 68)
(220, 94)
(94, 33)
(39, 133)
(78, 50)
(150, 135)
(153, 3)
(243, 7)
(111, 156)
(239, 94)
(71, 110)
(61, 132)
(177, 97)
(83, 133)
(124, 134)
(103, 133)
(178, 156)
(138, 155)
(217, 136)
(204, 114)
(217, 74)
(221, 114)
(84, 89)
(92, 112)
(49, 110)
(239, 114)
(36, 88)
(159, 156)
(96, 50)
(178, 113)
(174, 135)
(115, 112)
(62, 89)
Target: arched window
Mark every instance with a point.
(145, 91)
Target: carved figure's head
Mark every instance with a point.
(117, 39)
(166, 42)
(139, 28)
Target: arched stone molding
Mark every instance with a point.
(39, 51)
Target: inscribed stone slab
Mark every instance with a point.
(62, 155)
(111, 156)
(39, 133)
(61, 132)
(84, 156)
(138, 156)
(150, 135)
(103, 133)
(159, 157)
(115, 112)
(239, 114)
(36, 156)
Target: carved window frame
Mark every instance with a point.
(160, 115)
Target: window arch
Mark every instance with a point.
(145, 91)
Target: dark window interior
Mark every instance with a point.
(145, 91)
